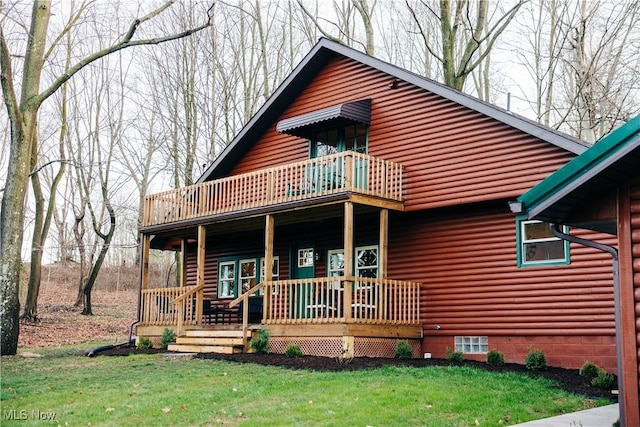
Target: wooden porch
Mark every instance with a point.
(319, 307)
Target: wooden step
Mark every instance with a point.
(187, 348)
(210, 341)
(213, 333)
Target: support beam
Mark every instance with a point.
(348, 258)
(183, 263)
(384, 244)
(201, 259)
(268, 262)
(144, 262)
(627, 347)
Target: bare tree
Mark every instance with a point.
(601, 71)
(23, 117)
(466, 34)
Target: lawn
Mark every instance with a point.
(158, 390)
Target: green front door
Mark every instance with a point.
(303, 267)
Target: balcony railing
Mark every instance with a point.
(348, 171)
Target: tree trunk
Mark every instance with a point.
(23, 118)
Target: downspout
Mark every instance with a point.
(135, 322)
(555, 229)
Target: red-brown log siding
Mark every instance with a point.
(452, 154)
(634, 207)
(472, 286)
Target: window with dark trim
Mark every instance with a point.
(238, 275)
(353, 137)
(538, 246)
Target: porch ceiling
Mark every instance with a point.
(169, 238)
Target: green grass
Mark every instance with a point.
(155, 390)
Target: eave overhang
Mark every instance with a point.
(588, 177)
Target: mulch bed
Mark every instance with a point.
(567, 379)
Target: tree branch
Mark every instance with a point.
(125, 43)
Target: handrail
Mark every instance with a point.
(245, 310)
(184, 296)
(180, 302)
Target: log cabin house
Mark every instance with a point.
(600, 190)
(364, 204)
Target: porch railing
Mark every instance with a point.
(348, 171)
(301, 301)
(175, 306)
(341, 299)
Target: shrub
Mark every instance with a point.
(454, 356)
(495, 358)
(168, 336)
(403, 350)
(293, 350)
(589, 370)
(535, 359)
(260, 344)
(604, 380)
(144, 343)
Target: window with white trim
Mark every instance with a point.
(226, 279)
(275, 273)
(367, 261)
(305, 257)
(247, 274)
(538, 246)
(472, 344)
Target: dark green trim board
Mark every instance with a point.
(613, 159)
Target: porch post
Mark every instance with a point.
(201, 258)
(348, 258)
(384, 243)
(144, 305)
(383, 249)
(144, 276)
(268, 264)
(183, 262)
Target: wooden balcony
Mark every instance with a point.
(348, 172)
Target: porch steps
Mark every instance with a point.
(209, 341)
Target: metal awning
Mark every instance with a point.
(302, 125)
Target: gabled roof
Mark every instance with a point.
(326, 50)
(613, 159)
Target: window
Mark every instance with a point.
(472, 345)
(352, 137)
(366, 262)
(226, 279)
(236, 276)
(538, 246)
(275, 273)
(305, 257)
(335, 266)
(247, 274)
